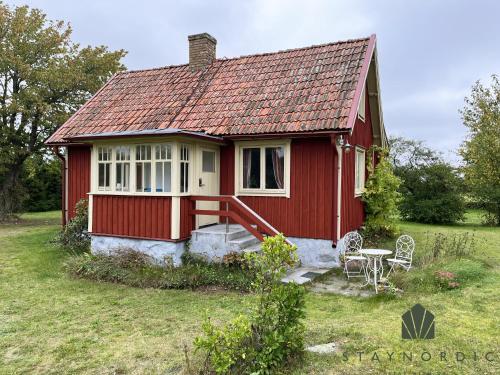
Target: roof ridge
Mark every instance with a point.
(296, 49)
(313, 46)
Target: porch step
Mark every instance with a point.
(243, 242)
(234, 231)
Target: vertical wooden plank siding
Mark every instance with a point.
(187, 221)
(78, 176)
(132, 216)
(308, 212)
(353, 212)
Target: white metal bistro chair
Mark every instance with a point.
(352, 243)
(404, 253)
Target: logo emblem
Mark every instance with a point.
(418, 323)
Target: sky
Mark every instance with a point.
(430, 53)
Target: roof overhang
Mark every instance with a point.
(369, 78)
(85, 138)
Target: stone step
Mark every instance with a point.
(234, 231)
(243, 242)
(253, 249)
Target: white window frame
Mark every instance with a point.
(185, 162)
(359, 173)
(175, 167)
(109, 161)
(167, 160)
(262, 191)
(143, 162)
(118, 161)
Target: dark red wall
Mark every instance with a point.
(132, 216)
(352, 211)
(78, 176)
(308, 211)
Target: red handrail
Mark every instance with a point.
(231, 200)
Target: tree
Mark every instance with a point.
(411, 153)
(44, 78)
(381, 197)
(481, 149)
(432, 194)
(41, 180)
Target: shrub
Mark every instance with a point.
(432, 194)
(139, 270)
(381, 197)
(446, 280)
(74, 236)
(272, 333)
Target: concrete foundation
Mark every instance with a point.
(316, 253)
(162, 252)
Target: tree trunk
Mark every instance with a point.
(11, 191)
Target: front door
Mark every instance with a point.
(208, 183)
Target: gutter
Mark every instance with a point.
(338, 147)
(64, 175)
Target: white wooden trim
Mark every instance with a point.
(339, 187)
(359, 192)
(90, 212)
(238, 183)
(175, 221)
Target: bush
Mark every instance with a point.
(139, 270)
(381, 197)
(272, 333)
(432, 194)
(446, 280)
(74, 236)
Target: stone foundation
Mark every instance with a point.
(316, 253)
(162, 252)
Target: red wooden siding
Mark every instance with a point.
(308, 211)
(132, 216)
(78, 176)
(353, 213)
(187, 221)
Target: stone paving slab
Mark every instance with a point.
(304, 275)
(338, 284)
(323, 348)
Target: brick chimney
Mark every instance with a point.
(201, 50)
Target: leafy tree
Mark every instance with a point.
(432, 194)
(44, 78)
(381, 197)
(411, 153)
(481, 149)
(41, 180)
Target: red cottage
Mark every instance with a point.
(223, 151)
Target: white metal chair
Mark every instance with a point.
(404, 253)
(352, 244)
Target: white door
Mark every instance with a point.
(207, 181)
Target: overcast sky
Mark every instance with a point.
(430, 52)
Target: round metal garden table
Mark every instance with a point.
(374, 265)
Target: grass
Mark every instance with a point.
(51, 323)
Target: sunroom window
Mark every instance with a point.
(163, 154)
(143, 168)
(104, 168)
(122, 156)
(184, 168)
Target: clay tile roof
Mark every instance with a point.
(299, 90)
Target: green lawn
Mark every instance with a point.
(50, 323)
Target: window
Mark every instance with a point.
(208, 161)
(122, 157)
(143, 168)
(104, 168)
(360, 167)
(184, 168)
(163, 154)
(263, 169)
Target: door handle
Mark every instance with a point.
(200, 184)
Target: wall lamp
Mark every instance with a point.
(343, 143)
